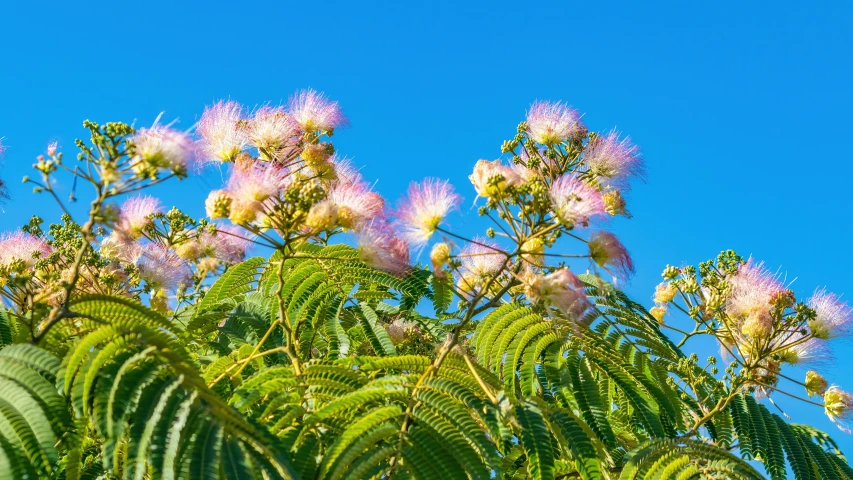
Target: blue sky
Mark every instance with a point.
(742, 109)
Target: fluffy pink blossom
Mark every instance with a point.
(834, 318)
(228, 244)
(222, 130)
(575, 202)
(380, 248)
(482, 258)
(51, 148)
(357, 204)
(314, 112)
(612, 159)
(811, 352)
(425, 208)
(135, 215)
(491, 179)
(561, 288)
(23, 247)
(345, 172)
(271, 128)
(163, 147)
(608, 253)
(162, 268)
(253, 182)
(551, 123)
(118, 248)
(751, 292)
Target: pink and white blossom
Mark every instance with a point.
(838, 406)
(482, 258)
(21, 246)
(613, 160)
(379, 247)
(550, 123)
(162, 268)
(164, 147)
(228, 243)
(833, 317)
(256, 182)
(575, 202)
(608, 253)
(561, 289)
(271, 128)
(751, 292)
(426, 206)
(357, 204)
(135, 215)
(491, 179)
(314, 112)
(223, 131)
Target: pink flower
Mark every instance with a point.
(751, 292)
(252, 182)
(482, 258)
(834, 318)
(381, 249)
(222, 130)
(425, 208)
(491, 179)
(162, 268)
(314, 112)
(810, 352)
(51, 148)
(357, 204)
(613, 160)
(575, 202)
(552, 123)
(22, 247)
(271, 128)
(562, 289)
(163, 147)
(135, 215)
(344, 170)
(608, 253)
(228, 243)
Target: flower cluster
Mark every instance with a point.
(760, 325)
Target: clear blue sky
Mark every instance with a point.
(742, 108)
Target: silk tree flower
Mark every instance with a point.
(561, 288)
(161, 268)
(751, 293)
(614, 161)
(23, 247)
(811, 352)
(135, 215)
(665, 292)
(271, 128)
(345, 172)
(838, 406)
(482, 258)
(551, 123)
(379, 247)
(227, 243)
(575, 202)
(608, 253)
(357, 205)
(314, 112)
(163, 147)
(323, 216)
(222, 128)
(252, 182)
(833, 318)
(426, 206)
(491, 179)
